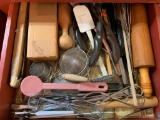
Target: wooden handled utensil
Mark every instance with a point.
(141, 46)
(19, 46)
(32, 85)
(86, 24)
(74, 78)
(149, 102)
(65, 20)
(107, 56)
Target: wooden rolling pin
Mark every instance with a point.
(141, 46)
(65, 20)
(19, 46)
(149, 102)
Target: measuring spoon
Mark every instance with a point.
(33, 85)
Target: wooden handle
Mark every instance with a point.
(107, 56)
(141, 45)
(65, 20)
(18, 46)
(108, 64)
(18, 97)
(72, 77)
(118, 69)
(145, 81)
(65, 41)
(19, 107)
(64, 15)
(15, 71)
(149, 102)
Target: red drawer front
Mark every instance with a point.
(154, 23)
(6, 92)
(117, 1)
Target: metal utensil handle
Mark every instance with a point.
(100, 61)
(104, 78)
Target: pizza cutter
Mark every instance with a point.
(32, 85)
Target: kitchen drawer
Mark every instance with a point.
(7, 93)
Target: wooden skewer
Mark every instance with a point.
(130, 71)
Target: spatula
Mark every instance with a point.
(32, 85)
(86, 24)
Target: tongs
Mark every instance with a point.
(95, 9)
(96, 43)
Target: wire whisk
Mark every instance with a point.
(121, 96)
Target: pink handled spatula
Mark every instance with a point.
(32, 85)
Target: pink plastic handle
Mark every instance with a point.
(106, 46)
(83, 86)
(96, 87)
(32, 85)
(62, 86)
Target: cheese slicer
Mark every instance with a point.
(32, 85)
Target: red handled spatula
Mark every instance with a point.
(86, 24)
(32, 85)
